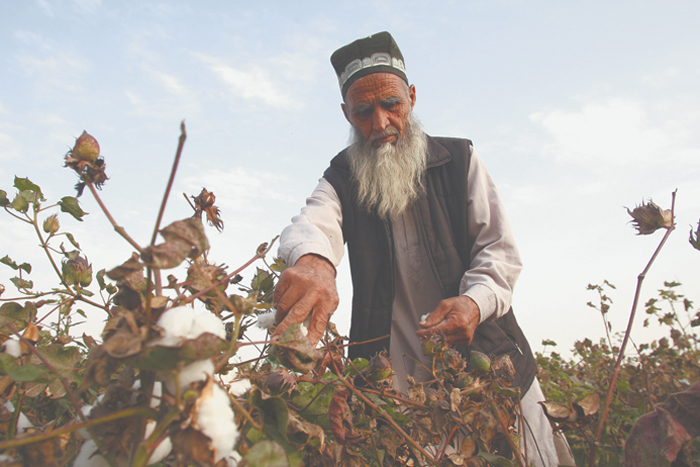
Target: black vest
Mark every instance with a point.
(442, 211)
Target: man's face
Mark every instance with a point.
(377, 105)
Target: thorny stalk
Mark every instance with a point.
(628, 331)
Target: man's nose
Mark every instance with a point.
(380, 120)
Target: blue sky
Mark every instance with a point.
(577, 108)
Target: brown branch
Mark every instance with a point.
(134, 412)
(621, 354)
(176, 162)
(382, 413)
(513, 447)
(119, 229)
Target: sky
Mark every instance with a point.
(578, 109)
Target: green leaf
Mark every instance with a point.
(100, 276)
(278, 265)
(72, 206)
(24, 266)
(160, 358)
(266, 453)
(24, 373)
(21, 283)
(3, 199)
(24, 184)
(71, 239)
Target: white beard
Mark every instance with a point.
(389, 177)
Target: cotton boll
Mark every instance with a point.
(196, 371)
(157, 393)
(215, 419)
(162, 450)
(207, 322)
(239, 387)
(177, 323)
(303, 329)
(234, 459)
(86, 409)
(12, 347)
(266, 320)
(85, 456)
(22, 421)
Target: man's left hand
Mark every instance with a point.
(456, 318)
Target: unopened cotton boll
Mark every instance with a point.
(215, 419)
(12, 347)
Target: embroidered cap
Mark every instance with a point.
(377, 53)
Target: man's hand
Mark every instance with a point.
(307, 287)
(456, 318)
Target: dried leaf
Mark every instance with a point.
(556, 411)
(294, 350)
(589, 405)
(183, 239)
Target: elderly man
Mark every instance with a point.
(426, 231)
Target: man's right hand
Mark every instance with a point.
(306, 288)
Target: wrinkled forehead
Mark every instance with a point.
(374, 88)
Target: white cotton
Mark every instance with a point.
(183, 322)
(86, 459)
(303, 329)
(195, 371)
(424, 317)
(12, 347)
(6, 458)
(162, 450)
(266, 320)
(156, 394)
(215, 419)
(86, 409)
(234, 459)
(239, 387)
(22, 421)
(207, 322)
(177, 321)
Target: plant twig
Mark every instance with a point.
(513, 447)
(382, 413)
(119, 229)
(621, 354)
(134, 412)
(176, 162)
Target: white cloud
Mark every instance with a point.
(253, 83)
(52, 68)
(10, 149)
(87, 6)
(239, 189)
(615, 132)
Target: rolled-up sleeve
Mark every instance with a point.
(317, 229)
(495, 262)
